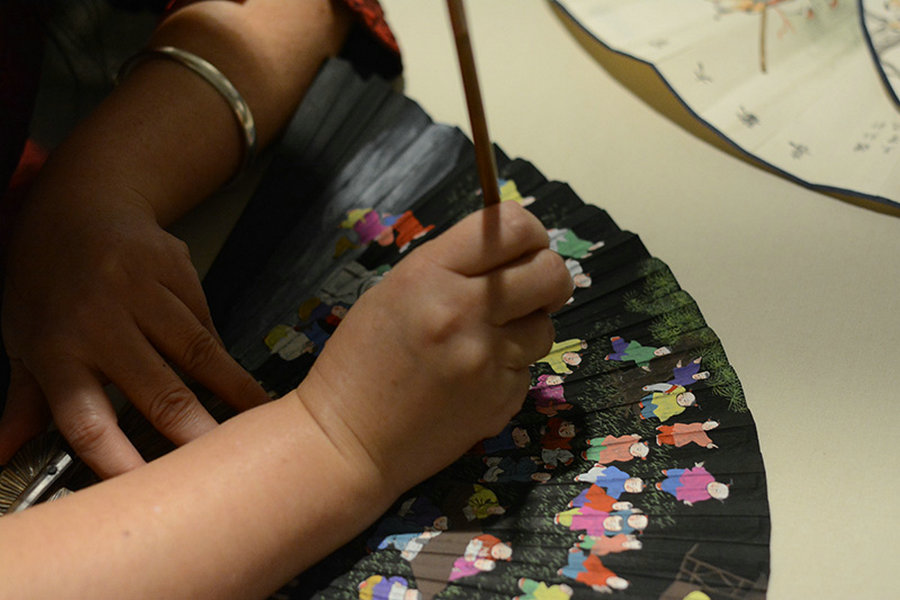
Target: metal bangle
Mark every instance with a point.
(213, 77)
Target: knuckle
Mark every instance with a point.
(555, 274)
(524, 226)
(171, 408)
(199, 351)
(88, 432)
(445, 320)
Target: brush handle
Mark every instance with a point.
(484, 152)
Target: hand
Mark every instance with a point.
(435, 357)
(98, 293)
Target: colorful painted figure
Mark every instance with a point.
(407, 228)
(682, 434)
(611, 478)
(288, 343)
(589, 570)
(692, 485)
(366, 222)
(401, 229)
(603, 545)
(378, 587)
(415, 516)
(567, 244)
(597, 498)
(538, 590)
(633, 351)
(599, 523)
(510, 438)
(548, 395)
(579, 277)
(556, 444)
(409, 544)
(610, 448)
(481, 555)
(348, 283)
(666, 406)
(681, 376)
(511, 468)
(482, 504)
(564, 354)
(509, 192)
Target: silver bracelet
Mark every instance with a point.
(213, 77)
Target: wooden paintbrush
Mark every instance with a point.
(484, 152)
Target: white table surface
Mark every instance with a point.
(803, 289)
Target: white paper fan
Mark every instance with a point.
(789, 82)
(881, 25)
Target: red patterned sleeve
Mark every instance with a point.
(371, 45)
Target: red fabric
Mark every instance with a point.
(372, 15)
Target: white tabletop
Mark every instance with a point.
(803, 289)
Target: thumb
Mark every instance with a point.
(26, 413)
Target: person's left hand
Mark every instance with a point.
(97, 293)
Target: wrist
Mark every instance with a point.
(358, 456)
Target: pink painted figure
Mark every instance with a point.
(598, 523)
(481, 554)
(692, 485)
(367, 224)
(548, 395)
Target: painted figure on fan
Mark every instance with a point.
(288, 343)
(481, 555)
(564, 354)
(665, 406)
(614, 480)
(589, 570)
(386, 229)
(482, 504)
(682, 434)
(681, 376)
(548, 395)
(509, 191)
(348, 283)
(416, 515)
(538, 590)
(597, 498)
(579, 277)
(556, 444)
(511, 468)
(511, 438)
(569, 245)
(633, 351)
(692, 485)
(379, 587)
(409, 544)
(611, 448)
(604, 544)
(598, 522)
